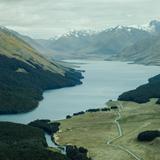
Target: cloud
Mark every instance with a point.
(44, 19)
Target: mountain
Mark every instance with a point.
(112, 41)
(25, 74)
(118, 43)
(83, 44)
(139, 44)
(155, 26)
(143, 52)
(68, 45)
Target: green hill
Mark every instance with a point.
(25, 74)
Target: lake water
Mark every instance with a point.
(103, 80)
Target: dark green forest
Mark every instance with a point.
(22, 91)
(143, 93)
(23, 142)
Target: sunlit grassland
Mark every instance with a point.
(93, 130)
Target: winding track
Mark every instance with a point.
(120, 134)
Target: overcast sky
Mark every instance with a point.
(46, 18)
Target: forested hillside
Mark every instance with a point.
(25, 74)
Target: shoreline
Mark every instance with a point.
(79, 82)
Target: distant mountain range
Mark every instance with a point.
(25, 74)
(96, 45)
(137, 44)
(145, 51)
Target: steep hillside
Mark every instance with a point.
(144, 52)
(137, 44)
(25, 74)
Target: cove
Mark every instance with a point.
(103, 80)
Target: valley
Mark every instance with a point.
(98, 131)
(79, 80)
(37, 82)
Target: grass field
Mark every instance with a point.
(93, 130)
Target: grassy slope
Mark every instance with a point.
(138, 118)
(93, 130)
(14, 47)
(22, 142)
(25, 75)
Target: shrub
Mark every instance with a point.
(75, 153)
(68, 117)
(93, 110)
(114, 107)
(105, 109)
(148, 135)
(78, 113)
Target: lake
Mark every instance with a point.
(103, 80)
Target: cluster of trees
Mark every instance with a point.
(78, 113)
(105, 109)
(98, 110)
(94, 110)
(46, 125)
(148, 135)
(89, 110)
(75, 153)
(23, 142)
(22, 91)
(114, 107)
(143, 93)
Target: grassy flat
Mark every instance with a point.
(94, 130)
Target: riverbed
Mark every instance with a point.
(103, 80)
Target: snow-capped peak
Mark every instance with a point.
(77, 34)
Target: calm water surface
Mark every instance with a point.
(103, 80)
